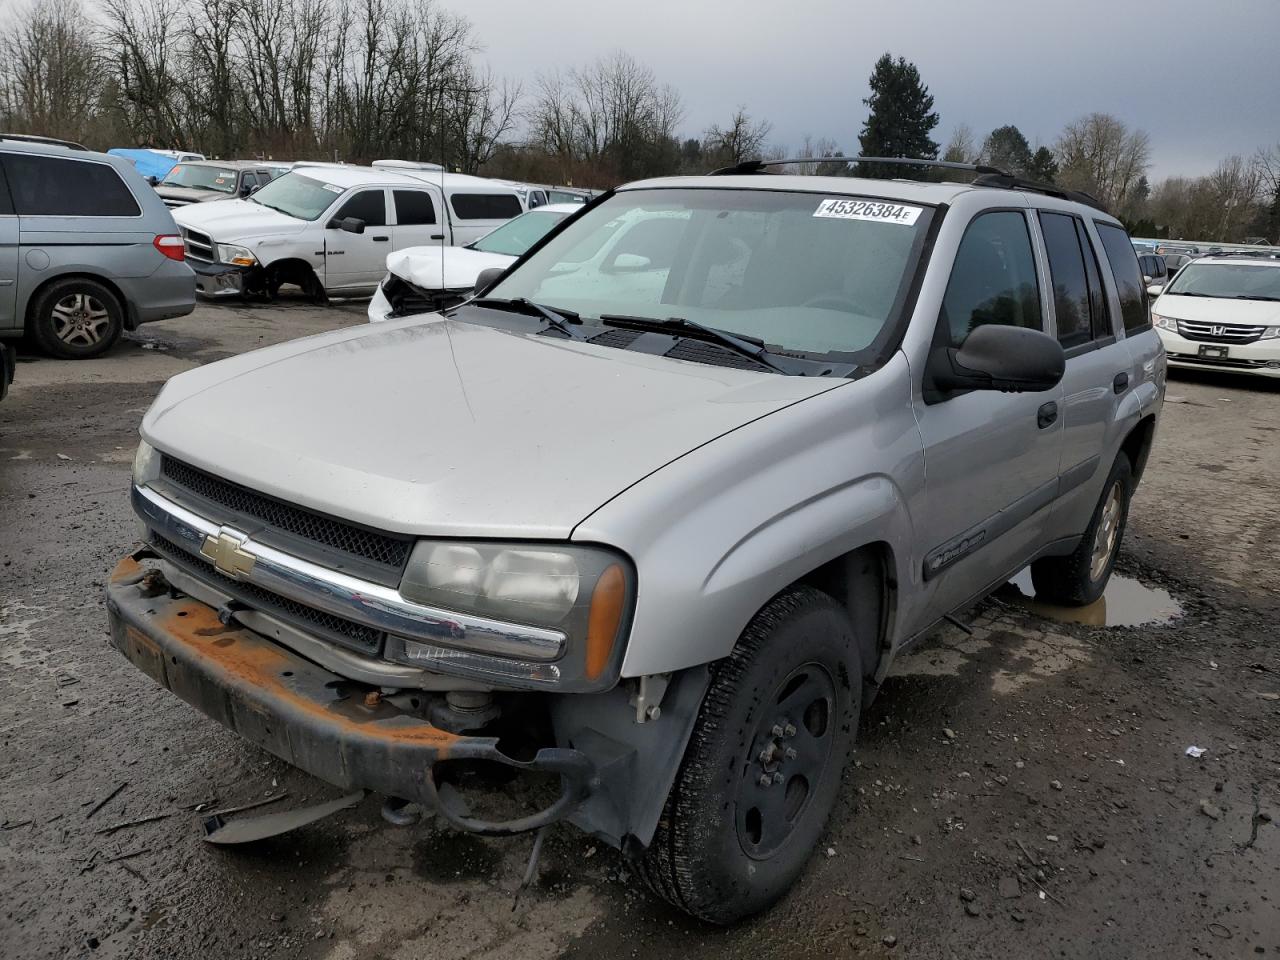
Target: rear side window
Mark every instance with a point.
(994, 277)
(1078, 299)
(414, 207)
(367, 205)
(485, 206)
(1124, 267)
(54, 187)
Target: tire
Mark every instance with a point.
(1079, 579)
(76, 319)
(724, 848)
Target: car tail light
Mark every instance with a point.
(171, 246)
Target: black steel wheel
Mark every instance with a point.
(762, 769)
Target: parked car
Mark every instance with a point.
(654, 526)
(200, 181)
(87, 250)
(154, 165)
(422, 279)
(329, 228)
(1155, 273)
(47, 141)
(1223, 313)
(8, 364)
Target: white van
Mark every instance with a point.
(328, 227)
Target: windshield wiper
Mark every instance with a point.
(562, 320)
(1254, 296)
(743, 344)
(269, 206)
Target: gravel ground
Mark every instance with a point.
(1022, 791)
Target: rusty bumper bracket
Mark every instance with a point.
(308, 716)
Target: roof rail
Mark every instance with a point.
(755, 166)
(988, 176)
(47, 141)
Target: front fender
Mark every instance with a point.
(720, 531)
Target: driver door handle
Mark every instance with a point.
(437, 236)
(381, 239)
(1047, 415)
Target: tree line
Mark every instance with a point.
(357, 80)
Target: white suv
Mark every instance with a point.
(328, 227)
(1223, 313)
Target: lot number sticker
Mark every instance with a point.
(868, 210)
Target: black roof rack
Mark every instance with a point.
(47, 141)
(988, 176)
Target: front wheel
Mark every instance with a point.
(1080, 578)
(762, 769)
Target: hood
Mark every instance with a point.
(443, 268)
(234, 220)
(1251, 313)
(442, 427)
(183, 195)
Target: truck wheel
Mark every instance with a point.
(76, 318)
(762, 768)
(1079, 579)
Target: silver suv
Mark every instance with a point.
(87, 250)
(655, 512)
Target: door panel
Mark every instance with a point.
(991, 458)
(8, 272)
(358, 260)
(418, 219)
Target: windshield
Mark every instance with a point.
(298, 196)
(201, 178)
(516, 236)
(804, 272)
(1229, 280)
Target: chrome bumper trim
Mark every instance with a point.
(360, 601)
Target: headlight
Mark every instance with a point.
(584, 593)
(1271, 333)
(146, 465)
(240, 256)
(1164, 323)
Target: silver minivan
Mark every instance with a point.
(87, 250)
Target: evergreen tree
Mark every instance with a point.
(1043, 166)
(900, 120)
(1007, 149)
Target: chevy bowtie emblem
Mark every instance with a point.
(226, 552)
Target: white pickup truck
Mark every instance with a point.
(329, 228)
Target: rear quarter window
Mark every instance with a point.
(485, 206)
(55, 187)
(1124, 267)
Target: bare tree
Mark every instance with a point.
(1098, 153)
(482, 116)
(962, 147)
(741, 139)
(50, 71)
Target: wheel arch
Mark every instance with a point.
(293, 270)
(130, 323)
(1137, 445)
(863, 582)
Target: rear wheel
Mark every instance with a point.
(1079, 579)
(76, 318)
(762, 769)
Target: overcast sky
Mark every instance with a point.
(1202, 77)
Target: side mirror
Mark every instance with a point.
(998, 357)
(153, 179)
(1154, 289)
(486, 278)
(349, 224)
(254, 189)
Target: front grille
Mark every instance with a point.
(198, 246)
(313, 534)
(1219, 332)
(337, 629)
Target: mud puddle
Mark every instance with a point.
(1125, 603)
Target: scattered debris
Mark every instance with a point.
(132, 872)
(948, 733)
(107, 799)
(15, 825)
(831, 851)
(972, 910)
(1197, 752)
(90, 863)
(1220, 931)
(1210, 810)
(1269, 696)
(967, 895)
(248, 829)
(63, 456)
(1055, 784)
(127, 856)
(1051, 837)
(889, 940)
(107, 831)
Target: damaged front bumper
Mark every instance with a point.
(221, 279)
(334, 728)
